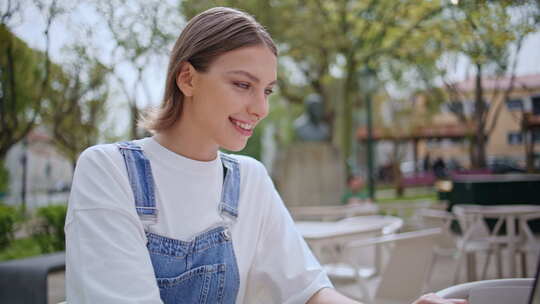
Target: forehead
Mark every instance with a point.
(257, 60)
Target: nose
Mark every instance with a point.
(259, 106)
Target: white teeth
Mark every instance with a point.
(244, 126)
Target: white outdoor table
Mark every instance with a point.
(333, 235)
(332, 213)
(510, 214)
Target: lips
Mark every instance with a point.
(242, 127)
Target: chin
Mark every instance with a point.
(235, 147)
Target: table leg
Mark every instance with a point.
(378, 259)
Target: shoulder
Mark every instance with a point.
(100, 180)
(248, 165)
(109, 152)
(98, 162)
(102, 152)
(254, 177)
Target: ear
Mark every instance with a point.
(185, 78)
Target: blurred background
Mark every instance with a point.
(412, 92)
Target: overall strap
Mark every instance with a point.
(231, 186)
(140, 179)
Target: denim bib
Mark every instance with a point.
(203, 270)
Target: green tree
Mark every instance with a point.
(342, 35)
(487, 33)
(141, 33)
(77, 103)
(24, 76)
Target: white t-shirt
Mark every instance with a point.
(106, 256)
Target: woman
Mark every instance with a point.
(171, 219)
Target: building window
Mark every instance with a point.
(455, 107)
(515, 138)
(536, 136)
(458, 141)
(433, 143)
(514, 105)
(535, 100)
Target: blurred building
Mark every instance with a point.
(48, 173)
(442, 134)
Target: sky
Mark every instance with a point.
(30, 25)
(67, 29)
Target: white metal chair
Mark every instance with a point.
(476, 237)
(515, 291)
(531, 244)
(408, 211)
(472, 219)
(446, 245)
(403, 277)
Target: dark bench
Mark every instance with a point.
(25, 280)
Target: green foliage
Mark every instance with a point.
(20, 248)
(4, 179)
(49, 231)
(77, 104)
(343, 36)
(21, 73)
(488, 32)
(8, 219)
(140, 34)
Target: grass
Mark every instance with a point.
(408, 198)
(20, 248)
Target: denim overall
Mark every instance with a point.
(202, 270)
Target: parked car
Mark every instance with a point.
(504, 165)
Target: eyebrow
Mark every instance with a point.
(250, 76)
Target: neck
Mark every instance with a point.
(185, 143)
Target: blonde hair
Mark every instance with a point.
(205, 37)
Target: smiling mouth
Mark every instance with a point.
(242, 127)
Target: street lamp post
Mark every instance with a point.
(370, 160)
(24, 163)
(368, 82)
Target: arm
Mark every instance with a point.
(328, 296)
(432, 298)
(106, 260)
(106, 257)
(283, 269)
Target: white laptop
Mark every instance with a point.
(507, 294)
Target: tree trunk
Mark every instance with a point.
(348, 109)
(134, 111)
(396, 170)
(472, 150)
(528, 141)
(479, 113)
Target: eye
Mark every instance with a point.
(268, 91)
(242, 85)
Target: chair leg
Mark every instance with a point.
(471, 267)
(367, 297)
(486, 264)
(459, 262)
(524, 263)
(498, 255)
(430, 268)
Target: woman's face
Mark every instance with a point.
(231, 97)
